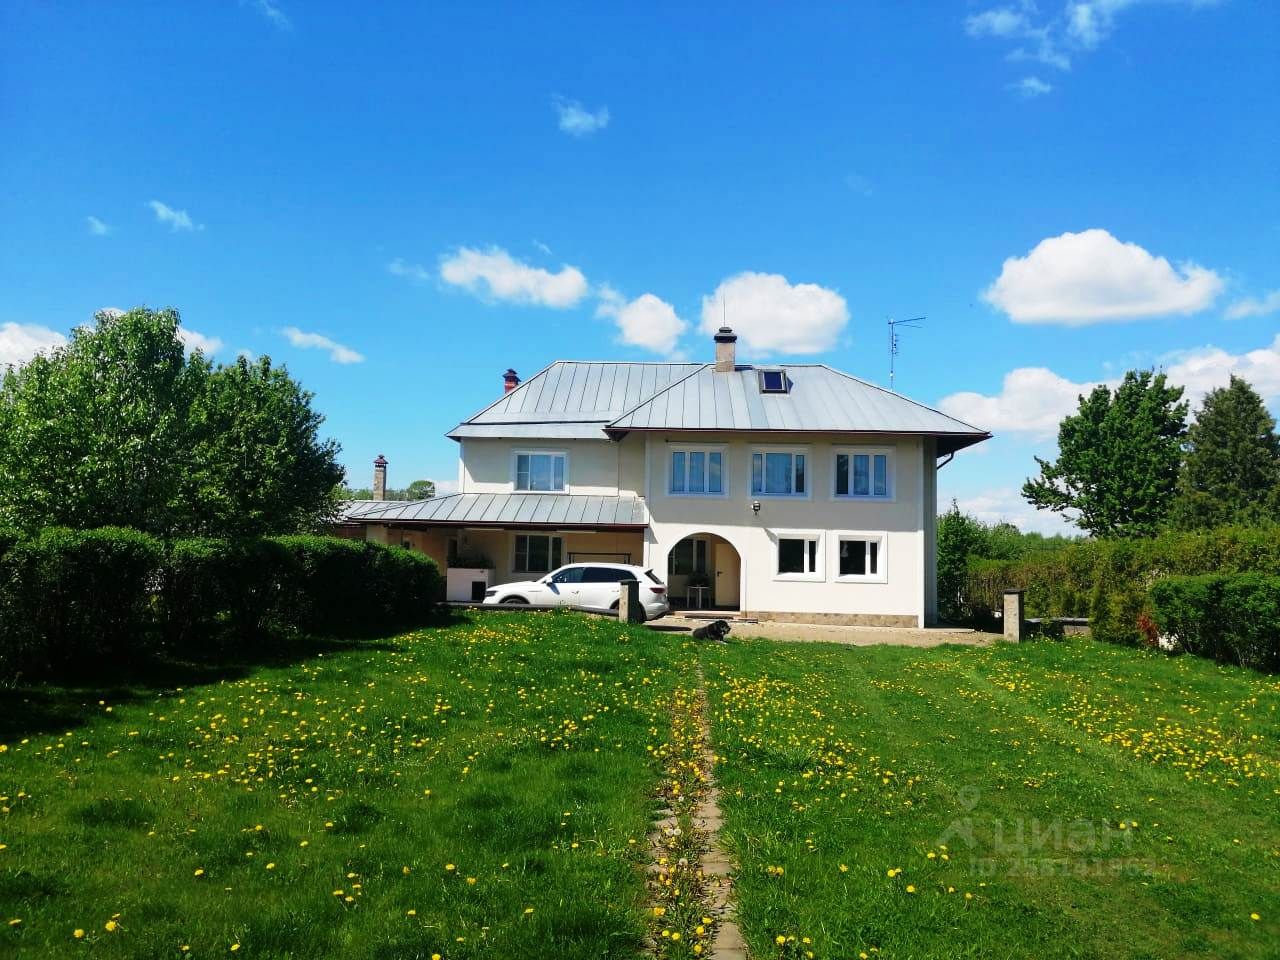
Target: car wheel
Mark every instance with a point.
(519, 601)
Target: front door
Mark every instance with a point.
(728, 571)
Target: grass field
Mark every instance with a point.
(1048, 800)
(484, 789)
(477, 790)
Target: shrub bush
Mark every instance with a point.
(1108, 581)
(1229, 618)
(224, 591)
(353, 588)
(71, 600)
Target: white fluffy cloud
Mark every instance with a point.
(1031, 87)
(1005, 505)
(771, 315)
(272, 12)
(1204, 368)
(1032, 400)
(1091, 277)
(1255, 307)
(19, 342)
(495, 273)
(647, 321)
(96, 226)
(412, 271)
(576, 120)
(175, 219)
(997, 22)
(194, 340)
(314, 341)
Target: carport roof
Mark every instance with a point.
(511, 510)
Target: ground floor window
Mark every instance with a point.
(861, 557)
(537, 553)
(798, 555)
(688, 557)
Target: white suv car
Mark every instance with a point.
(592, 585)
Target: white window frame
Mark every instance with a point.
(537, 451)
(819, 555)
(891, 470)
(882, 556)
(550, 552)
(805, 452)
(707, 449)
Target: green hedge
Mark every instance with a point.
(71, 601)
(353, 588)
(79, 601)
(1108, 580)
(1232, 619)
(218, 590)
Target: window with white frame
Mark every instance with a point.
(799, 555)
(861, 556)
(697, 472)
(540, 471)
(537, 553)
(864, 473)
(779, 473)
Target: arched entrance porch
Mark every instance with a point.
(704, 571)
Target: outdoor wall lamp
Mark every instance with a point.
(755, 506)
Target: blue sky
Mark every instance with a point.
(400, 202)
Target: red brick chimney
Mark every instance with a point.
(510, 380)
(380, 478)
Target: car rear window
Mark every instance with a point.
(652, 576)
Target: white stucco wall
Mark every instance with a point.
(594, 467)
(900, 520)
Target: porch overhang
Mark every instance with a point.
(540, 511)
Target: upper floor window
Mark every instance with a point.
(697, 472)
(864, 474)
(779, 474)
(540, 472)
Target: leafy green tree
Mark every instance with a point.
(119, 427)
(960, 537)
(417, 490)
(1118, 458)
(256, 463)
(1231, 469)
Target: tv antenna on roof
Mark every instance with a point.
(893, 343)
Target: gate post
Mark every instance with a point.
(629, 608)
(1015, 622)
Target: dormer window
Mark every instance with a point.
(773, 381)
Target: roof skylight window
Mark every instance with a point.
(773, 381)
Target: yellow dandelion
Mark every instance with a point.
(78, 933)
(111, 926)
(911, 888)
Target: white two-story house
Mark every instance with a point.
(788, 491)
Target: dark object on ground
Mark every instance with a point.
(716, 630)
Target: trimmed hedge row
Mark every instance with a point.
(72, 601)
(1232, 619)
(1109, 581)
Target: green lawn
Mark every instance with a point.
(1065, 799)
(484, 789)
(477, 790)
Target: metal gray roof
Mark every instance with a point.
(351, 509)
(820, 400)
(513, 509)
(584, 396)
(586, 430)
